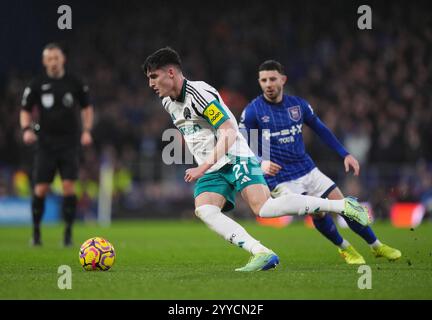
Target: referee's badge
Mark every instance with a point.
(47, 100)
(294, 113)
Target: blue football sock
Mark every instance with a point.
(363, 231)
(327, 227)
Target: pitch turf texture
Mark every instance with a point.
(185, 260)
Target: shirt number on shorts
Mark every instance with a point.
(238, 167)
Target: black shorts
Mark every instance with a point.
(66, 160)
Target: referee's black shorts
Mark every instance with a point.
(47, 161)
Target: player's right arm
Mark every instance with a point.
(27, 103)
(248, 122)
(227, 135)
(208, 104)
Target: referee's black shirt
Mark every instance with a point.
(59, 102)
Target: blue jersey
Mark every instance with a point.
(280, 132)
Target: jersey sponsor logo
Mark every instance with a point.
(68, 100)
(47, 100)
(187, 130)
(46, 86)
(187, 113)
(294, 113)
(295, 129)
(266, 134)
(289, 139)
(288, 134)
(213, 114)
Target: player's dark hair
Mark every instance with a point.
(161, 58)
(271, 65)
(54, 45)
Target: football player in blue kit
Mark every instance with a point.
(278, 120)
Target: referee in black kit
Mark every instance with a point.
(65, 122)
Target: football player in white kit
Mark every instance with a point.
(226, 164)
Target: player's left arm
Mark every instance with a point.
(325, 134)
(87, 114)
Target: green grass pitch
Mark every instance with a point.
(185, 260)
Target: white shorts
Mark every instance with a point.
(315, 183)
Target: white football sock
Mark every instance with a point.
(295, 204)
(345, 244)
(376, 244)
(228, 229)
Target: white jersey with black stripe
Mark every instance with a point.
(198, 113)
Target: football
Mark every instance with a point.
(97, 254)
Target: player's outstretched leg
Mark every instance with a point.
(38, 207)
(294, 204)
(69, 211)
(262, 259)
(258, 198)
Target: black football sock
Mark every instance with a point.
(69, 211)
(38, 207)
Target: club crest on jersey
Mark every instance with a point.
(294, 113)
(47, 100)
(187, 113)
